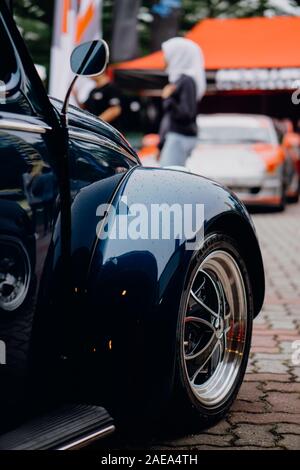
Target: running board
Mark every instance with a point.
(69, 427)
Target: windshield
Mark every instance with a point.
(235, 135)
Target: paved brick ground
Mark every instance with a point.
(266, 414)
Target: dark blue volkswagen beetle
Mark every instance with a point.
(100, 330)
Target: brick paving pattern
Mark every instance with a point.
(266, 414)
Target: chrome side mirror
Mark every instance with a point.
(90, 58)
(87, 60)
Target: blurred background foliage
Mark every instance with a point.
(34, 18)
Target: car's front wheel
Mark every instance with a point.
(214, 332)
(15, 274)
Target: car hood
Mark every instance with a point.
(86, 121)
(230, 164)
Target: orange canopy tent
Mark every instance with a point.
(239, 43)
(252, 65)
(269, 47)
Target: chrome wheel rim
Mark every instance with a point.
(15, 273)
(215, 328)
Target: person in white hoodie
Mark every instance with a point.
(187, 85)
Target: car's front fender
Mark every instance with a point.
(117, 335)
(134, 286)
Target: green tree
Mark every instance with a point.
(35, 18)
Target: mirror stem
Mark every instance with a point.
(64, 108)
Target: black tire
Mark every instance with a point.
(283, 200)
(186, 406)
(295, 199)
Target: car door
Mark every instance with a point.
(28, 198)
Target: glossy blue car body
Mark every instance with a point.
(103, 319)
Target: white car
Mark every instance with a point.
(244, 153)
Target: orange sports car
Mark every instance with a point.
(247, 153)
